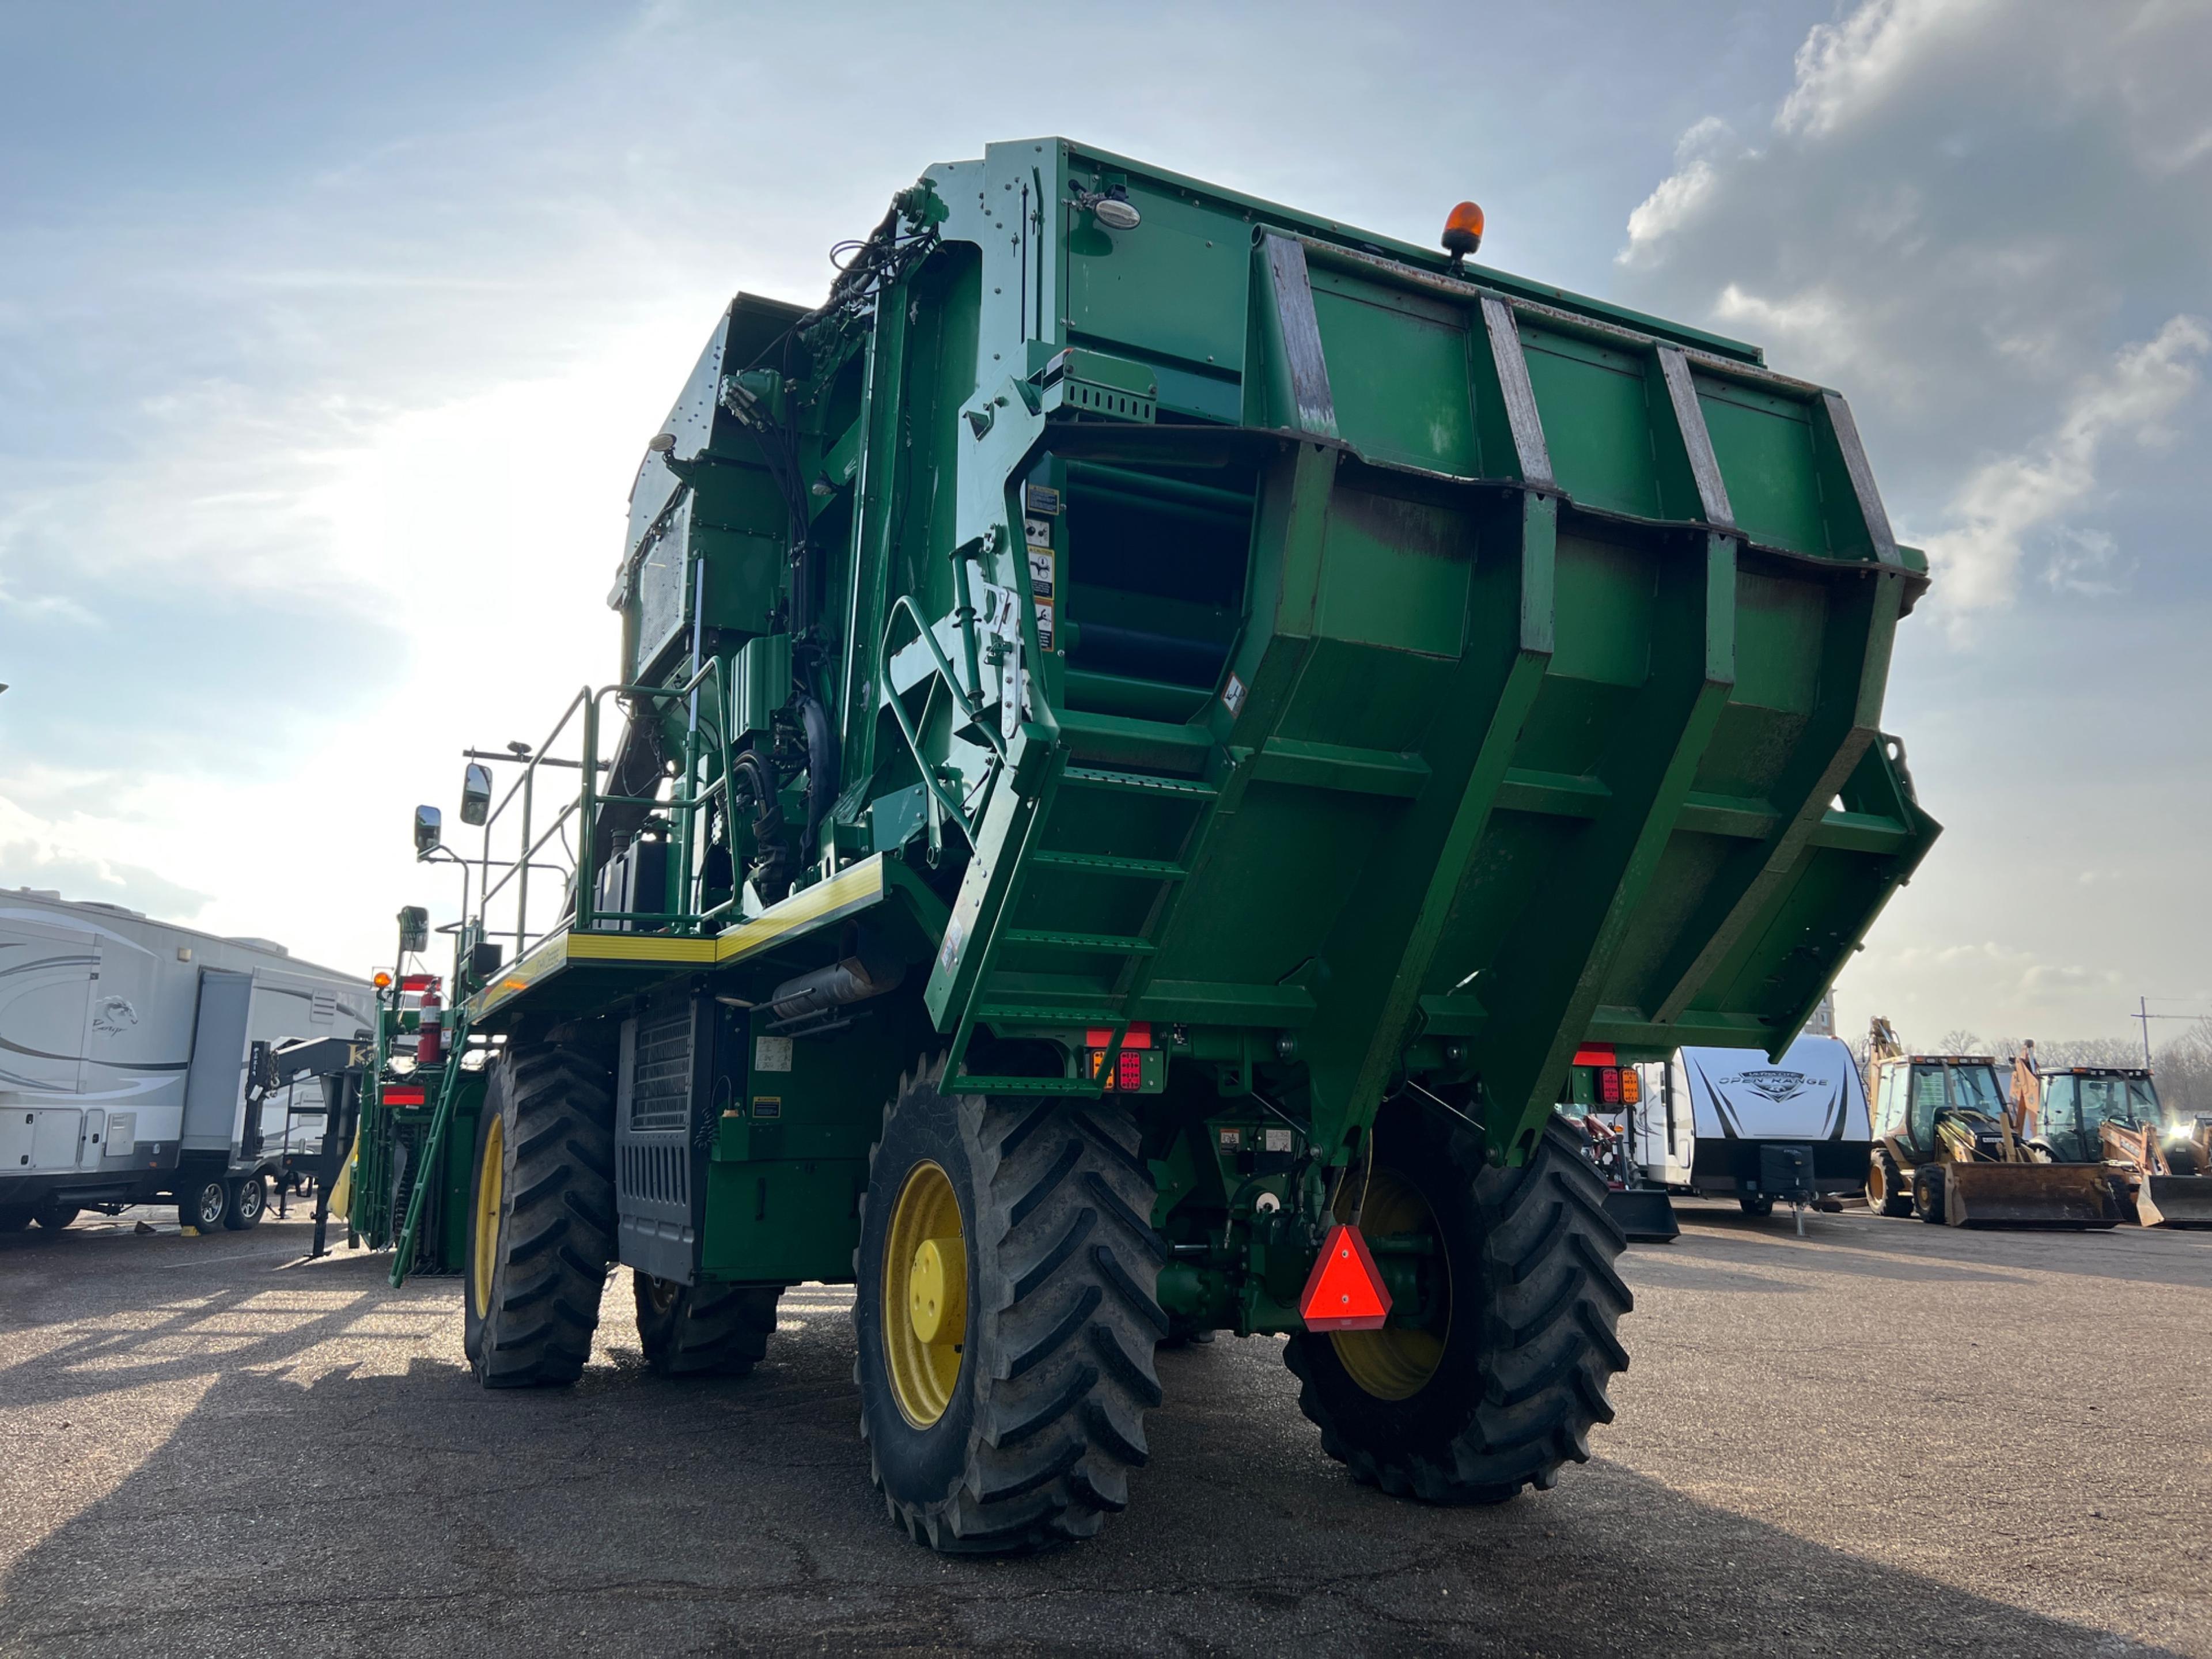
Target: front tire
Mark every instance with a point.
(1533, 1305)
(541, 1217)
(1928, 1193)
(693, 1330)
(1005, 1315)
(201, 1206)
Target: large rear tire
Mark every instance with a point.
(1532, 1307)
(1886, 1193)
(1005, 1312)
(541, 1217)
(691, 1330)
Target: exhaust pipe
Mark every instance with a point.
(855, 979)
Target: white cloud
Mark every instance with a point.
(1847, 70)
(1675, 202)
(1976, 560)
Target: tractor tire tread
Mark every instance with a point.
(557, 1238)
(1550, 1346)
(719, 1330)
(1072, 1313)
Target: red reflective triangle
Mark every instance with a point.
(1344, 1291)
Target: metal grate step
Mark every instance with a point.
(1100, 864)
(1084, 777)
(1116, 943)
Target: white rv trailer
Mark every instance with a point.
(124, 1046)
(1728, 1124)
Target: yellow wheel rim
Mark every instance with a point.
(924, 1315)
(491, 1183)
(1396, 1362)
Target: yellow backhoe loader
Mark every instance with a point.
(2159, 1165)
(1949, 1149)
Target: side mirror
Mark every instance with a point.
(476, 794)
(414, 930)
(429, 830)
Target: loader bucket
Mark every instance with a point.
(2171, 1201)
(2028, 1195)
(1646, 1215)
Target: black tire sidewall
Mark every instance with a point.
(916, 1465)
(496, 1094)
(237, 1216)
(1412, 1145)
(191, 1206)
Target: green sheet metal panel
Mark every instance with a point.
(1394, 573)
(1398, 370)
(1177, 290)
(1597, 422)
(1765, 444)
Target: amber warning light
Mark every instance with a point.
(1463, 231)
(1344, 1291)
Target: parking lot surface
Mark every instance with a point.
(1880, 1438)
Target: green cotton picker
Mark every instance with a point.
(1154, 732)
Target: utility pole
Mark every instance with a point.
(2143, 1013)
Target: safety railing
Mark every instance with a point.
(683, 807)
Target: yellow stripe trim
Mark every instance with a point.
(861, 885)
(848, 890)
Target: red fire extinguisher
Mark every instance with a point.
(430, 1040)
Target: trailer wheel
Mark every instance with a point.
(1886, 1193)
(1509, 1389)
(541, 1217)
(1928, 1193)
(53, 1215)
(14, 1221)
(1005, 1315)
(686, 1330)
(1762, 1207)
(201, 1204)
(245, 1203)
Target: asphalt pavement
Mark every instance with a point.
(1881, 1439)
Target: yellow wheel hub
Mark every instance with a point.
(1396, 1362)
(925, 1294)
(491, 1185)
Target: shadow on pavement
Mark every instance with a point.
(343, 1486)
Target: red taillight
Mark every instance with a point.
(404, 1095)
(1608, 1086)
(1138, 1035)
(1593, 1055)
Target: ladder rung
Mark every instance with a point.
(1115, 943)
(1083, 777)
(1099, 864)
(1031, 1015)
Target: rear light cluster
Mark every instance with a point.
(1618, 1085)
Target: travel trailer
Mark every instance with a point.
(123, 1050)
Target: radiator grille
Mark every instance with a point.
(660, 1087)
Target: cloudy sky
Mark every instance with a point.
(329, 338)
